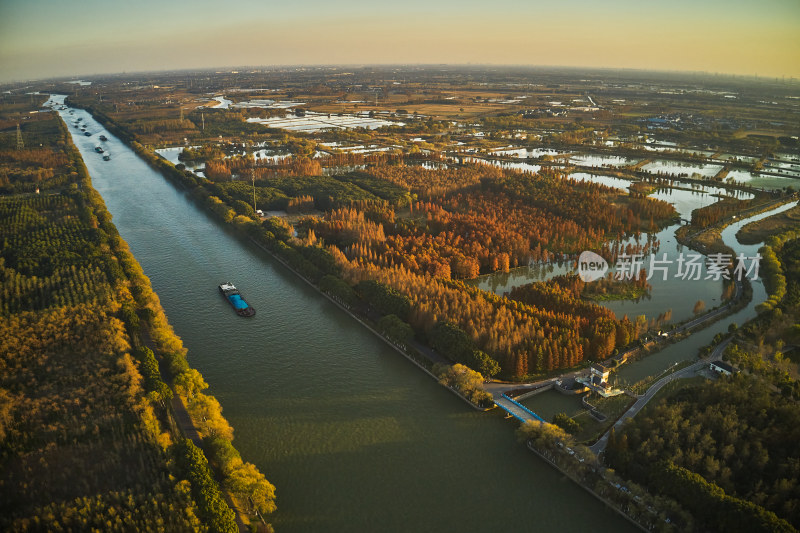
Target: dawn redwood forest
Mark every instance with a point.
(444, 210)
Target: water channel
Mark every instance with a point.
(673, 293)
(354, 437)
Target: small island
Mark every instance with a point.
(611, 288)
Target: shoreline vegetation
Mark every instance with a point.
(398, 344)
(707, 239)
(315, 262)
(377, 300)
(334, 289)
(762, 230)
(609, 288)
(247, 488)
(81, 292)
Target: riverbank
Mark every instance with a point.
(759, 231)
(343, 426)
(607, 502)
(208, 434)
(189, 182)
(363, 321)
(270, 322)
(709, 240)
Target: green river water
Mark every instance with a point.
(354, 437)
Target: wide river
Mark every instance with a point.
(354, 437)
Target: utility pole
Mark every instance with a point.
(20, 143)
(203, 119)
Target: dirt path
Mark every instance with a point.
(184, 424)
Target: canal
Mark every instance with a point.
(354, 437)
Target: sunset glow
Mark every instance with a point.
(44, 38)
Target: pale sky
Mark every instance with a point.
(55, 38)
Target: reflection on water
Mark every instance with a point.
(662, 166)
(672, 294)
(317, 122)
(354, 437)
(761, 181)
(609, 181)
(590, 160)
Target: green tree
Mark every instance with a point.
(566, 423)
(385, 299)
(214, 511)
(452, 342)
(487, 366)
(395, 329)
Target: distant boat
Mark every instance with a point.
(103, 138)
(106, 157)
(231, 294)
(87, 133)
(98, 149)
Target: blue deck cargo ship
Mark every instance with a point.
(231, 294)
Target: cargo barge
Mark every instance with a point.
(231, 294)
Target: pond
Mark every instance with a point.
(676, 168)
(312, 122)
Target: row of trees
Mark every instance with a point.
(261, 169)
(728, 439)
(711, 214)
(523, 339)
(779, 263)
(77, 300)
(653, 512)
(428, 183)
(243, 480)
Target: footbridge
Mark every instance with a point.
(516, 409)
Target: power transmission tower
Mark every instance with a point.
(20, 143)
(181, 113)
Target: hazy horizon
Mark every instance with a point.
(50, 39)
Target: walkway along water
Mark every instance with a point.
(353, 437)
(235, 336)
(687, 348)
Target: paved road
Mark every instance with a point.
(498, 388)
(689, 371)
